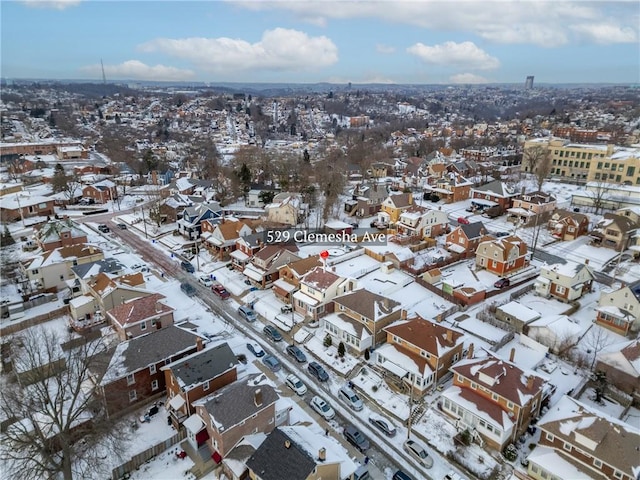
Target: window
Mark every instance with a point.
(131, 379)
(631, 171)
(549, 436)
(567, 446)
(617, 474)
(132, 396)
(205, 385)
(510, 405)
(597, 463)
(474, 385)
(154, 385)
(143, 326)
(460, 379)
(494, 396)
(152, 369)
(560, 289)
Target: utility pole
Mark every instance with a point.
(144, 222)
(410, 409)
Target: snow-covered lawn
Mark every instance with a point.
(329, 355)
(375, 388)
(165, 466)
(608, 405)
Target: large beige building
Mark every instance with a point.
(578, 162)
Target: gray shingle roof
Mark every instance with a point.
(473, 230)
(108, 265)
(274, 461)
(204, 365)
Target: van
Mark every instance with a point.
(350, 398)
(247, 313)
(400, 475)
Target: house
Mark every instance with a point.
(418, 353)
(502, 256)
(220, 238)
(566, 282)
(465, 238)
(58, 232)
(134, 374)
(140, 315)
(287, 208)
(494, 399)
(516, 315)
(558, 332)
(101, 192)
(256, 195)
(366, 199)
(578, 441)
(421, 222)
(246, 247)
(452, 187)
(111, 290)
(299, 453)
(244, 407)
(189, 225)
(262, 269)
(195, 376)
(394, 205)
(290, 275)
(359, 319)
(614, 231)
(531, 209)
(495, 193)
(172, 207)
(566, 226)
(51, 270)
(621, 365)
(22, 205)
(619, 310)
(317, 290)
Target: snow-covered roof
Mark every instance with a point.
(519, 311)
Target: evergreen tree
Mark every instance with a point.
(6, 239)
(341, 349)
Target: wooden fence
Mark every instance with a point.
(45, 317)
(137, 460)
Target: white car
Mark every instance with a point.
(205, 280)
(295, 384)
(322, 408)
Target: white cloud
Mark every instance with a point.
(603, 33)
(136, 70)
(52, 4)
(537, 22)
(385, 49)
(464, 55)
(279, 50)
(467, 78)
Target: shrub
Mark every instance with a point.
(367, 355)
(341, 350)
(327, 341)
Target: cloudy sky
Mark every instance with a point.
(384, 41)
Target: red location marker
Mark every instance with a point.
(324, 254)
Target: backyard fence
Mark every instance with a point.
(137, 460)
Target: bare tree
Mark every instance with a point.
(597, 192)
(596, 340)
(60, 428)
(532, 157)
(543, 168)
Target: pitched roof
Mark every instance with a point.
(304, 265)
(280, 457)
(138, 309)
(473, 230)
(320, 279)
(497, 188)
(234, 403)
(505, 245)
(107, 265)
(400, 200)
(204, 365)
(368, 304)
(429, 336)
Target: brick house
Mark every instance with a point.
(394, 205)
(494, 399)
(452, 187)
(190, 224)
(492, 194)
(619, 310)
(564, 281)
(140, 315)
(102, 192)
(58, 232)
(502, 256)
(359, 319)
(21, 205)
(290, 275)
(466, 238)
(422, 222)
(246, 247)
(418, 352)
(586, 442)
(195, 376)
(621, 365)
(567, 226)
(263, 268)
(241, 408)
(134, 373)
(220, 238)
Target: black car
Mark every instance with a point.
(272, 333)
(296, 353)
(356, 438)
(188, 289)
(103, 228)
(187, 267)
(315, 369)
(502, 283)
(122, 226)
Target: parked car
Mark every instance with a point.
(103, 228)
(417, 451)
(222, 292)
(187, 267)
(502, 283)
(502, 234)
(400, 475)
(295, 384)
(205, 280)
(272, 333)
(296, 353)
(322, 408)
(272, 363)
(188, 289)
(256, 349)
(122, 226)
(385, 426)
(247, 313)
(463, 221)
(286, 309)
(356, 438)
(315, 369)
(350, 398)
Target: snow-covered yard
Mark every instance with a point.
(375, 388)
(329, 355)
(607, 405)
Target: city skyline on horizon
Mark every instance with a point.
(310, 42)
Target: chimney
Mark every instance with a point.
(322, 454)
(512, 355)
(523, 190)
(199, 345)
(449, 336)
(586, 261)
(158, 307)
(470, 352)
(403, 314)
(530, 382)
(257, 398)
(287, 444)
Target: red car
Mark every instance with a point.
(502, 283)
(220, 291)
(463, 221)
